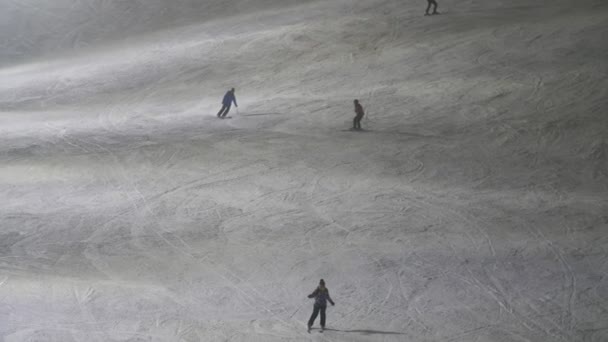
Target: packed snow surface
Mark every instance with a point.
(473, 206)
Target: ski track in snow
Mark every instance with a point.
(471, 208)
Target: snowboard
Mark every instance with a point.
(224, 117)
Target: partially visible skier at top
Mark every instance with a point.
(229, 98)
(428, 8)
(321, 296)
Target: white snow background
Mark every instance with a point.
(474, 206)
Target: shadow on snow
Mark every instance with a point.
(257, 114)
(368, 332)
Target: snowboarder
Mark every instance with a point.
(321, 296)
(229, 98)
(431, 3)
(358, 115)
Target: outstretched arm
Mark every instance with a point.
(313, 294)
(234, 100)
(329, 298)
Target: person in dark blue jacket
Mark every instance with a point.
(229, 98)
(321, 296)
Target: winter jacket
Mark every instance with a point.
(359, 110)
(229, 98)
(321, 297)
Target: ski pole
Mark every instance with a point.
(298, 309)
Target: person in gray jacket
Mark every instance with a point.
(321, 296)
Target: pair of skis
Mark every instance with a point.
(310, 328)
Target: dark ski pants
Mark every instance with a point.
(315, 313)
(431, 3)
(357, 122)
(225, 109)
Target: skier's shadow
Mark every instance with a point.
(360, 130)
(368, 332)
(258, 114)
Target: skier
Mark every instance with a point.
(431, 3)
(321, 296)
(359, 115)
(229, 98)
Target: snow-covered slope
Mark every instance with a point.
(473, 207)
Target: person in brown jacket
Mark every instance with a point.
(428, 8)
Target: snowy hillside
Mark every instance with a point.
(472, 207)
